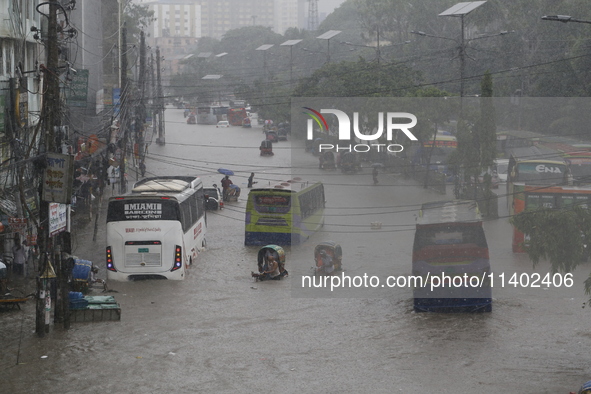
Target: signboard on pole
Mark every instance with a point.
(2, 110)
(100, 101)
(58, 218)
(77, 89)
(57, 178)
(18, 225)
(116, 100)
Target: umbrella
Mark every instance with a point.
(225, 171)
(377, 165)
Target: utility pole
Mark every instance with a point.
(51, 110)
(124, 104)
(160, 101)
(141, 108)
(153, 95)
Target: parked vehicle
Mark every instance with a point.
(213, 198)
(501, 166)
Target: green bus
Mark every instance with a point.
(285, 213)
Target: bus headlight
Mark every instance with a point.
(178, 258)
(110, 265)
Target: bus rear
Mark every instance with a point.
(145, 239)
(450, 254)
(286, 214)
(268, 217)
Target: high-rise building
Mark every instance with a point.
(286, 15)
(174, 18)
(219, 16)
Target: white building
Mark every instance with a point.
(175, 18)
(286, 15)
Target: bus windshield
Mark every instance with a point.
(264, 203)
(450, 235)
(540, 173)
(143, 209)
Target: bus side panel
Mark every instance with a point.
(305, 228)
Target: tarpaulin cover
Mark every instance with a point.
(81, 271)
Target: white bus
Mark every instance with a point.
(156, 230)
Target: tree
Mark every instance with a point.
(558, 236)
(486, 133)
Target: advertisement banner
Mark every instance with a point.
(58, 218)
(77, 89)
(57, 178)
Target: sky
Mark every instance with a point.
(328, 6)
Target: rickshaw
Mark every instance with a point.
(316, 146)
(272, 136)
(266, 148)
(349, 162)
(232, 193)
(262, 258)
(81, 275)
(282, 134)
(326, 161)
(585, 388)
(328, 256)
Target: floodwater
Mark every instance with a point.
(218, 331)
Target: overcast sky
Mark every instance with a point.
(328, 6)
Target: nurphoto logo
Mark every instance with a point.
(344, 130)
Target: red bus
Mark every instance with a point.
(529, 197)
(450, 242)
(236, 116)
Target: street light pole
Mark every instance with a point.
(327, 36)
(290, 43)
(462, 44)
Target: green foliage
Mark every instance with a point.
(137, 17)
(358, 79)
(557, 236)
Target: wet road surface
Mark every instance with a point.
(218, 331)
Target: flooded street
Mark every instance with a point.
(218, 331)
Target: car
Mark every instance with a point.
(501, 166)
(223, 123)
(213, 200)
